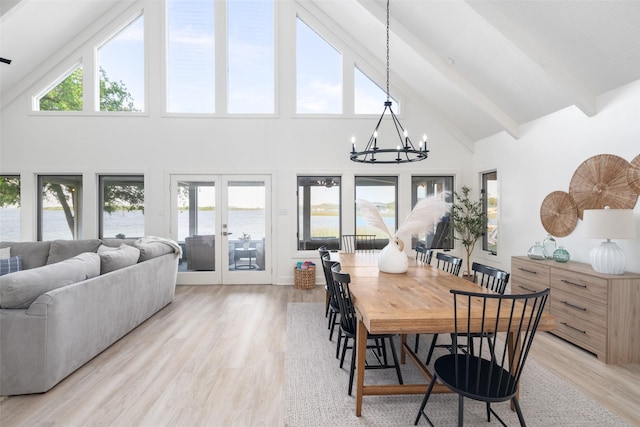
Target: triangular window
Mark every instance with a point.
(121, 68)
(65, 95)
(318, 73)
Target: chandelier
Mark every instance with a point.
(404, 151)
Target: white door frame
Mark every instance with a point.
(222, 273)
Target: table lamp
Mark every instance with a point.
(608, 224)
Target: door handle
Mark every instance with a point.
(225, 233)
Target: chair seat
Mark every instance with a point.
(500, 388)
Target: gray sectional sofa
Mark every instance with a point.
(72, 300)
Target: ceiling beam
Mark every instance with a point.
(477, 97)
(559, 76)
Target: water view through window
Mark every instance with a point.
(318, 212)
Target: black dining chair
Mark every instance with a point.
(490, 277)
(490, 376)
(423, 254)
(327, 264)
(449, 263)
(357, 243)
(487, 277)
(321, 251)
(332, 310)
(348, 326)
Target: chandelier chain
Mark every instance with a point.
(388, 96)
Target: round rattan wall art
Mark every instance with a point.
(602, 181)
(633, 175)
(559, 214)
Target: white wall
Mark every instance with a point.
(544, 160)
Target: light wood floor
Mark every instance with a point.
(215, 357)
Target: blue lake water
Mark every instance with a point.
(131, 224)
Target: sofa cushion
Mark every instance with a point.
(152, 250)
(65, 249)
(5, 253)
(116, 243)
(116, 258)
(34, 254)
(20, 289)
(10, 265)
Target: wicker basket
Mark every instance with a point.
(304, 279)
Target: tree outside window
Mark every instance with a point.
(122, 206)
(59, 207)
(9, 208)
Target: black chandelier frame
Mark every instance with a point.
(405, 151)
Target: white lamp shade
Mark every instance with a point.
(609, 224)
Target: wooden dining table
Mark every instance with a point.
(416, 302)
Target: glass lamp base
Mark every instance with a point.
(608, 258)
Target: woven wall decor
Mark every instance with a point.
(602, 181)
(633, 175)
(559, 214)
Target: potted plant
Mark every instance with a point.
(468, 220)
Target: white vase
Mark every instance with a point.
(392, 258)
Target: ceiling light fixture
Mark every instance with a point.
(405, 151)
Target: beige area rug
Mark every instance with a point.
(316, 389)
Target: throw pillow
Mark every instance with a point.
(116, 258)
(34, 254)
(20, 289)
(5, 253)
(65, 249)
(10, 265)
(152, 250)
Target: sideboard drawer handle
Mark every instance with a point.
(575, 329)
(528, 271)
(573, 306)
(526, 289)
(574, 284)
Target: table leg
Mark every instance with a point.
(361, 354)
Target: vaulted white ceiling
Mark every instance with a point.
(483, 66)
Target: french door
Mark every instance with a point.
(223, 223)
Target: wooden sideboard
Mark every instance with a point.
(598, 312)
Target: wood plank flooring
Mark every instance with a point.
(215, 357)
